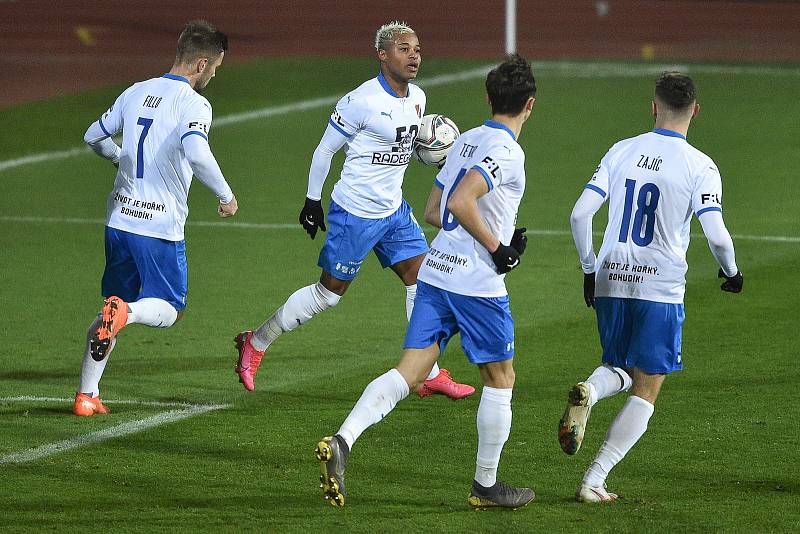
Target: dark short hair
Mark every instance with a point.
(510, 85)
(676, 90)
(198, 39)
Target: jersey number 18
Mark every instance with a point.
(645, 216)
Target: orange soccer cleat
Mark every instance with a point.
(443, 383)
(249, 360)
(114, 318)
(86, 405)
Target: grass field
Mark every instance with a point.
(721, 450)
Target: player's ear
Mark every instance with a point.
(382, 54)
(530, 103)
(654, 108)
(201, 65)
(696, 110)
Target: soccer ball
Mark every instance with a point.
(436, 136)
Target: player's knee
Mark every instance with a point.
(624, 376)
(499, 375)
(325, 298)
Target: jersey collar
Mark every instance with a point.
(176, 77)
(388, 88)
(668, 133)
(494, 124)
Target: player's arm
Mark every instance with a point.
(590, 201)
(707, 206)
(432, 208)
(581, 223)
(312, 217)
(100, 141)
(463, 203)
(721, 245)
(205, 167)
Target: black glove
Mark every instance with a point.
(519, 240)
(732, 284)
(505, 258)
(312, 217)
(588, 289)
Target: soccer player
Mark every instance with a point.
(377, 124)
(164, 123)
(653, 183)
(474, 202)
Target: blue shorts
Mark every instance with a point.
(485, 323)
(138, 267)
(640, 333)
(394, 238)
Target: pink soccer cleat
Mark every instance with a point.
(249, 360)
(443, 383)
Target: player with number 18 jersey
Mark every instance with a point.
(650, 181)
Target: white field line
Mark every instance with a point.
(131, 427)
(261, 113)
(558, 68)
(286, 226)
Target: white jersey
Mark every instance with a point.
(653, 183)
(380, 127)
(150, 192)
(456, 262)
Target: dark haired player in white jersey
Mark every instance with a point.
(164, 123)
(654, 183)
(376, 124)
(474, 202)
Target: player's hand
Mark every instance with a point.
(227, 209)
(588, 289)
(312, 218)
(505, 258)
(519, 240)
(732, 284)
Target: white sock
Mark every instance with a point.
(299, 308)
(411, 294)
(434, 371)
(379, 398)
(152, 312)
(607, 381)
(628, 427)
(92, 371)
(494, 426)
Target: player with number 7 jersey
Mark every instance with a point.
(164, 123)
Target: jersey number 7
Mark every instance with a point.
(145, 123)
